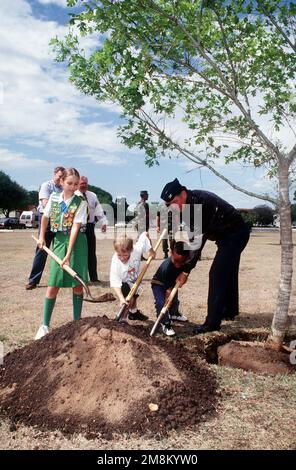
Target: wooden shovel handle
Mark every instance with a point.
(57, 259)
(134, 289)
(165, 308)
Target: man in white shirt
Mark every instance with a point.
(95, 212)
(46, 189)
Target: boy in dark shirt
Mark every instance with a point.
(164, 280)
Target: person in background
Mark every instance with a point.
(67, 213)
(95, 213)
(143, 213)
(164, 220)
(46, 189)
(169, 219)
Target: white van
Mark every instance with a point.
(29, 219)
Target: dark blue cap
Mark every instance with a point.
(171, 189)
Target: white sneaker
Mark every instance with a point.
(168, 330)
(180, 317)
(43, 330)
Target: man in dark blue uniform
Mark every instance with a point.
(222, 223)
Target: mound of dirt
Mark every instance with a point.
(96, 377)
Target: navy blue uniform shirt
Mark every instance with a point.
(167, 274)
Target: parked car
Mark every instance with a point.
(11, 223)
(29, 219)
(120, 225)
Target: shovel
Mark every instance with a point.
(134, 289)
(165, 308)
(89, 298)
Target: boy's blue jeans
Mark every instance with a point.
(159, 297)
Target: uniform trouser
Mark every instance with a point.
(40, 256)
(160, 298)
(91, 246)
(223, 296)
(166, 244)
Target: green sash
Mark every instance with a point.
(57, 216)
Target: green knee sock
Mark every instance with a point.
(47, 310)
(77, 306)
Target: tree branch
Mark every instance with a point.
(276, 25)
(194, 158)
(232, 93)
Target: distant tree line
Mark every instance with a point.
(263, 215)
(14, 197)
(103, 196)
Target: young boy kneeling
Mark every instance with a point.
(164, 280)
(125, 267)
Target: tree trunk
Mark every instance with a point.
(280, 318)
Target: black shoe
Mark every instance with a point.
(138, 315)
(205, 329)
(228, 316)
(30, 286)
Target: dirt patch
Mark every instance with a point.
(107, 297)
(254, 357)
(95, 377)
(248, 402)
(207, 345)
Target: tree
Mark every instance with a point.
(250, 217)
(12, 195)
(103, 196)
(264, 214)
(223, 68)
(32, 198)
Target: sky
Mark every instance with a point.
(46, 122)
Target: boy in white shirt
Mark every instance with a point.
(125, 267)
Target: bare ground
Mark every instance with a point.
(254, 412)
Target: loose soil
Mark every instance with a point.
(96, 376)
(252, 411)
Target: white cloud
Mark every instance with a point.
(20, 8)
(31, 143)
(106, 159)
(39, 105)
(60, 3)
(13, 160)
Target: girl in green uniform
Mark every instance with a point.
(67, 214)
